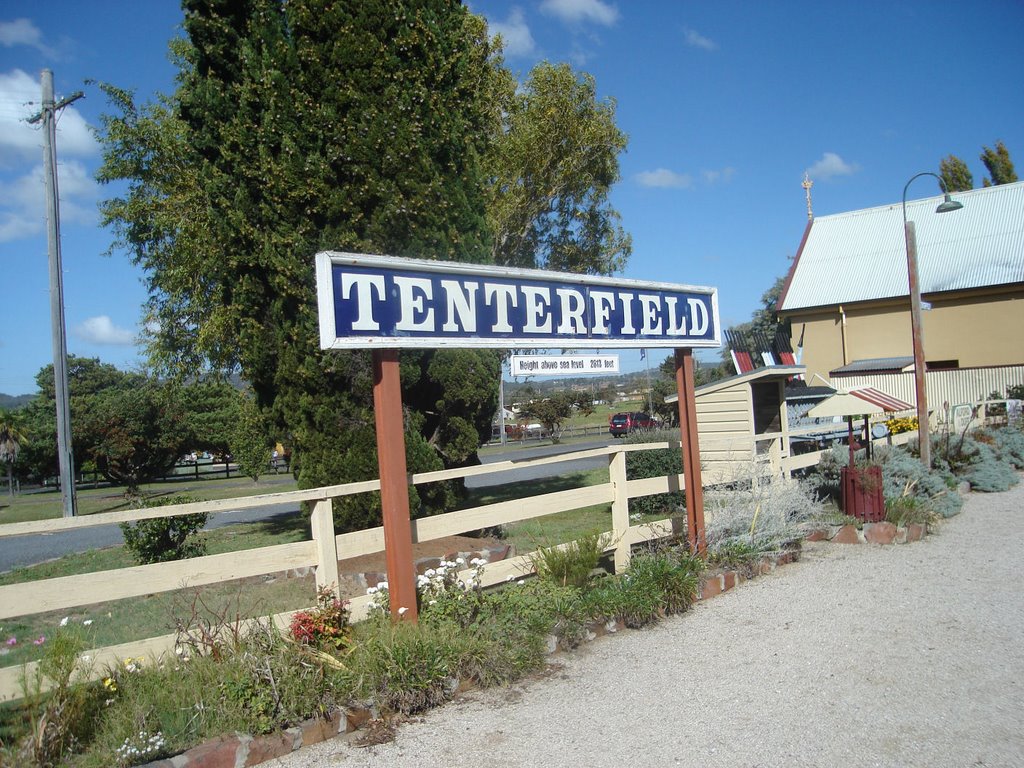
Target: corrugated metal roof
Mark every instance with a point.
(875, 365)
(861, 255)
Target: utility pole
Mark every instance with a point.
(66, 459)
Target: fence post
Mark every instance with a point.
(322, 524)
(620, 508)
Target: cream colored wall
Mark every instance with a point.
(974, 330)
(725, 428)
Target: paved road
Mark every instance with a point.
(516, 454)
(856, 656)
(29, 550)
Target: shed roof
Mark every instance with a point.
(771, 372)
(861, 255)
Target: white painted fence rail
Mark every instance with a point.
(325, 548)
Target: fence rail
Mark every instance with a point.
(324, 549)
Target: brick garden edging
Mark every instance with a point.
(245, 751)
(871, 533)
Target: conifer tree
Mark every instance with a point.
(295, 128)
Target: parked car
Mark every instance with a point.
(622, 424)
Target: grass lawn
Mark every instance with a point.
(137, 618)
(47, 504)
(550, 529)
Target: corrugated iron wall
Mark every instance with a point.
(956, 386)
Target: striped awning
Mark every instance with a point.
(881, 399)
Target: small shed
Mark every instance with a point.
(742, 421)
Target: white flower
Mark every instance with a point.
(371, 590)
(432, 602)
(460, 561)
(509, 577)
(520, 582)
(402, 610)
(382, 585)
(64, 621)
(87, 622)
(429, 572)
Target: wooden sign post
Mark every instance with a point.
(385, 304)
(394, 483)
(691, 452)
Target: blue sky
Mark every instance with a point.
(726, 104)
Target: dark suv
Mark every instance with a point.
(623, 423)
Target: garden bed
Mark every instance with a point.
(365, 725)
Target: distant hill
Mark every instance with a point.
(13, 402)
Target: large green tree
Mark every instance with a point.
(295, 128)
(87, 377)
(136, 431)
(552, 167)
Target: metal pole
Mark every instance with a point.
(923, 433)
(394, 484)
(65, 456)
(501, 401)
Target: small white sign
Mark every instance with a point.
(563, 365)
(962, 416)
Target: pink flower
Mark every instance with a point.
(12, 640)
(40, 640)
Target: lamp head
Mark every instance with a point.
(949, 204)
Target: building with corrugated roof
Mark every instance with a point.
(847, 293)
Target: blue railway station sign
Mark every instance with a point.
(386, 302)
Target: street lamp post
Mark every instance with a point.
(948, 204)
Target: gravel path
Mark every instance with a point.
(855, 656)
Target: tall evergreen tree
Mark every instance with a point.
(300, 127)
(1000, 167)
(955, 174)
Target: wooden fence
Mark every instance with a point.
(323, 550)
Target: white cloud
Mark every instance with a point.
(831, 165)
(696, 40)
(515, 33)
(577, 11)
(664, 178)
(22, 32)
(20, 97)
(101, 330)
(23, 200)
(718, 176)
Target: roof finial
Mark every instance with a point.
(807, 184)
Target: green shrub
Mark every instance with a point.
(657, 463)
(673, 576)
(907, 510)
(977, 458)
(406, 667)
(570, 564)
(904, 475)
(536, 608)
(1009, 445)
(624, 599)
(165, 538)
